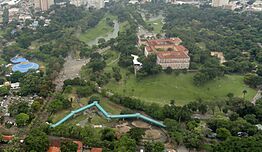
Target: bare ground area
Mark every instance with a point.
(71, 70)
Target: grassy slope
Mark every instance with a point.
(100, 30)
(156, 24)
(163, 88)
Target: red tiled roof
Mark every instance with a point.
(149, 49)
(181, 48)
(96, 150)
(79, 145)
(54, 149)
(164, 41)
(7, 138)
(172, 55)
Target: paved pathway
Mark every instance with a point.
(257, 96)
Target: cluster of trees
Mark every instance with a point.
(106, 138)
(4, 91)
(238, 119)
(37, 140)
(35, 83)
(58, 103)
(24, 113)
(253, 80)
(207, 73)
(83, 88)
(179, 113)
(149, 67)
(211, 29)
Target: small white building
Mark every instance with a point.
(15, 86)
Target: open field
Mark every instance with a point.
(156, 24)
(163, 88)
(101, 29)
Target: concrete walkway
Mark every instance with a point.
(257, 97)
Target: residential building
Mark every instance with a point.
(13, 13)
(43, 5)
(96, 150)
(98, 4)
(219, 3)
(219, 55)
(169, 52)
(78, 3)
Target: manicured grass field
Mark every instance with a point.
(163, 88)
(101, 29)
(156, 24)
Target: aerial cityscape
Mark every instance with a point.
(130, 75)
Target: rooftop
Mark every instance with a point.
(96, 150)
(7, 138)
(171, 41)
(54, 149)
(172, 55)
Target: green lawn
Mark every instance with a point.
(163, 88)
(101, 29)
(123, 26)
(156, 24)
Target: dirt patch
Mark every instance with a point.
(152, 134)
(140, 124)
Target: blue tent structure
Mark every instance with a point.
(18, 60)
(25, 67)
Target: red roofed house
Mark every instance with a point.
(7, 138)
(169, 53)
(96, 150)
(54, 146)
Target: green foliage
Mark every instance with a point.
(84, 91)
(68, 146)
(4, 91)
(60, 102)
(5, 16)
(136, 134)
(253, 80)
(108, 134)
(116, 73)
(207, 29)
(223, 133)
(149, 67)
(249, 144)
(36, 141)
(18, 107)
(192, 140)
(16, 76)
(125, 144)
(154, 147)
(35, 83)
(36, 105)
(21, 119)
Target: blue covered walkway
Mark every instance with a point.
(108, 116)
